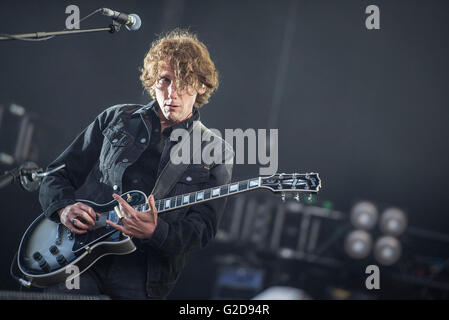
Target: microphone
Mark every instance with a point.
(132, 21)
(28, 174)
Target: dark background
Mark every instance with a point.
(367, 109)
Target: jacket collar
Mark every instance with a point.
(145, 108)
(152, 107)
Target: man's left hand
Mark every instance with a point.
(137, 224)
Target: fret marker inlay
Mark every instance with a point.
(254, 183)
(216, 192)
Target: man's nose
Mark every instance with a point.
(172, 90)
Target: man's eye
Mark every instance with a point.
(164, 82)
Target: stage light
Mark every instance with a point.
(282, 293)
(364, 215)
(358, 244)
(393, 221)
(387, 250)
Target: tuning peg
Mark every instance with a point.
(283, 197)
(297, 197)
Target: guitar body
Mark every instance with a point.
(48, 248)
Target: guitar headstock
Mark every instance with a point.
(295, 183)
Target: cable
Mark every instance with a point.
(90, 14)
(20, 280)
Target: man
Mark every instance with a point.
(128, 147)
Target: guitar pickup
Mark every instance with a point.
(118, 212)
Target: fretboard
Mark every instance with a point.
(189, 199)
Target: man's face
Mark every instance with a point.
(175, 105)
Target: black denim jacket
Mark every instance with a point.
(95, 162)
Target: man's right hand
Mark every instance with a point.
(78, 217)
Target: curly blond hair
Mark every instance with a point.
(189, 59)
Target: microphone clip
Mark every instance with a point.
(115, 26)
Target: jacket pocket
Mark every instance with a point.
(113, 144)
(196, 177)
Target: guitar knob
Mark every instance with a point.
(44, 265)
(37, 256)
(61, 260)
(54, 250)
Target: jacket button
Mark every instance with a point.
(189, 178)
(115, 187)
(143, 140)
(125, 160)
(115, 140)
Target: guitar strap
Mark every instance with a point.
(171, 173)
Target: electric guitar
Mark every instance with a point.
(48, 248)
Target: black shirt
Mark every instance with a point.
(142, 174)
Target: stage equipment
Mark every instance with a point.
(358, 244)
(282, 293)
(237, 282)
(364, 215)
(393, 222)
(387, 250)
(132, 22)
(28, 174)
(16, 132)
(18, 295)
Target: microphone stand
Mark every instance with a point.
(114, 27)
(28, 174)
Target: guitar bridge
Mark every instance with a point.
(60, 231)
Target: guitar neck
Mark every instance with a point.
(189, 199)
(283, 183)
